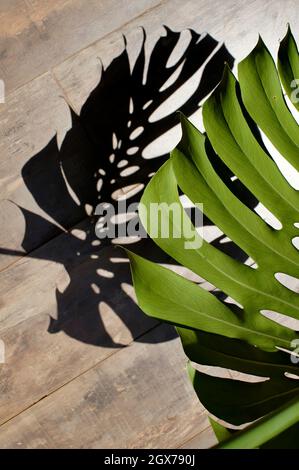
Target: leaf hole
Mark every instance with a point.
(131, 106)
(127, 192)
(295, 242)
(291, 376)
(132, 150)
(136, 132)
(114, 141)
(129, 170)
(95, 288)
(100, 184)
(122, 163)
(290, 282)
(105, 273)
(281, 319)
(267, 216)
(147, 104)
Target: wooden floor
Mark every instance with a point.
(124, 383)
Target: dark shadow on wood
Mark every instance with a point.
(89, 168)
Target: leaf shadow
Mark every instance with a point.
(100, 159)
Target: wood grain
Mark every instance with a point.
(237, 23)
(139, 397)
(203, 440)
(58, 319)
(38, 34)
(32, 115)
(29, 119)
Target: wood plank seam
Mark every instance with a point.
(105, 36)
(197, 434)
(80, 374)
(71, 105)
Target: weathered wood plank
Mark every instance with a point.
(52, 173)
(139, 397)
(81, 293)
(29, 119)
(237, 23)
(32, 114)
(61, 313)
(203, 440)
(37, 34)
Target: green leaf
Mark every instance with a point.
(288, 67)
(167, 296)
(260, 84)
(247, 286)
(287, 439)
(221, 432)
(213, 332)
(214, 350)
(232, 139)
(238, 401)
(263, 431)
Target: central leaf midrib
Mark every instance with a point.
(220, 320)
(246, 286)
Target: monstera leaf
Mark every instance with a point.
(234, 334)
(288, 66)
